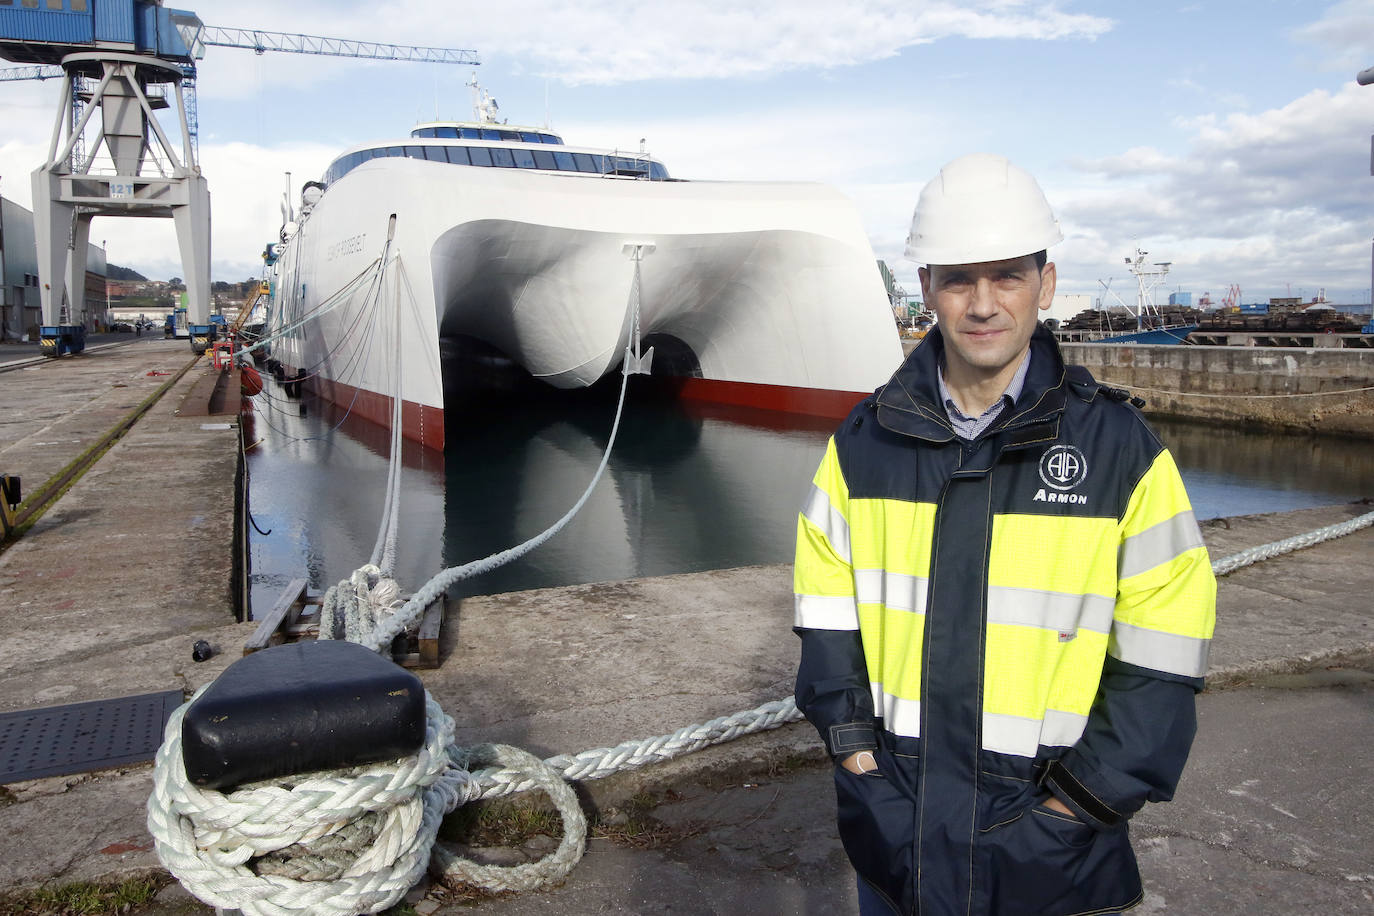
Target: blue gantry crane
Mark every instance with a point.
(129, 59)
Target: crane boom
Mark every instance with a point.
(40, 72)
(260, 41)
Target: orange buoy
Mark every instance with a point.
(250, 381)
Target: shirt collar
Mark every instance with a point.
(1014, 388)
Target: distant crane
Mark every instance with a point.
(1232, 297)
(135, 58)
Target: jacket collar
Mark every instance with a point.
(909, 403)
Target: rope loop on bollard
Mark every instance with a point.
(345, 841)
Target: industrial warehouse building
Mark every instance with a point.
(20, 307)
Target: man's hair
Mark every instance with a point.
(1042, 258)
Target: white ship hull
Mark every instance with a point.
(772, 287)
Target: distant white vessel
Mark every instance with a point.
(517, 246)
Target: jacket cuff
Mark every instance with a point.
(850, 738)
(1072, 792)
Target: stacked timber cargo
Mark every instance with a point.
(1117, 320)
(1322, 320)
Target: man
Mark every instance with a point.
(1003, 598)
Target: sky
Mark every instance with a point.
(1228, 138)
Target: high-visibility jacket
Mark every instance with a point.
(1024, 614)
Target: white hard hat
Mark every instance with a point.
(980, 208)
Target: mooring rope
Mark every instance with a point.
(1243, 397)
(1253, 555)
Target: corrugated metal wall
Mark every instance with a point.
(114, 20)
(56, 26)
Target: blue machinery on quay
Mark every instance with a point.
(330, 805)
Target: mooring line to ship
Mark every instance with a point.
(372, 273)
(1244, 397)
(331, 302)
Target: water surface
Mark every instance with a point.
(687, 488)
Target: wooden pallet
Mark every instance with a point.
(296, 616)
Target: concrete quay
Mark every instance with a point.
(106, 595)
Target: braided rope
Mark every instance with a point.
(600, 762)
(345, 841)
(207, 838)
(1243, 397)
(1254, 555)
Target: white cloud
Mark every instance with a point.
(600, 41)
(1344, 35)
(1280, 198)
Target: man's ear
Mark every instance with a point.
(1048, 280)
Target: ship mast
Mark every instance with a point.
(1147, 277)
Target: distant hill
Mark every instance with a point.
(115, 272)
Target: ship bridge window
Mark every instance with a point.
(503, 157)
(510, 135)
(529, 136)
(489, 134)
(550, 138)
(470, 133)
(423, 133)
(446, 133)
(619, 165)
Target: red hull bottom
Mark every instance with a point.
(425, 424)
(419, 422)
(810, 402)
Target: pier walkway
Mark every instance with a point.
(106, 595)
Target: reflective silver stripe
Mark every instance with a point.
(1023, 737)
(1185, 655)
(901, 717)
(894, 590)
(1158, 544)
(1028, 607)
(816, 612)
(828, 519)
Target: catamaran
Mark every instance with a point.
(502, 246)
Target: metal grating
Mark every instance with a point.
(80, 737)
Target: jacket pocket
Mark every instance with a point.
(1044, 863)
(876, 825)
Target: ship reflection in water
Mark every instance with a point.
(688, 488)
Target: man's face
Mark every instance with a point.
(987, 312)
